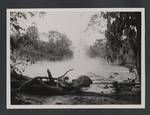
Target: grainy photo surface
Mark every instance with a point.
(75, 58)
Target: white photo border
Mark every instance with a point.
(114, 106)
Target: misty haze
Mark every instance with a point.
(75, 58)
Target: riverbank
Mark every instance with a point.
(95, 94)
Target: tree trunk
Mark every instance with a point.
(138, 64)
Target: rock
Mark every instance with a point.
(82, 81)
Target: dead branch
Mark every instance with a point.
(65, 73)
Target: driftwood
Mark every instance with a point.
(50, 85)
(49, 78)
(65, 73)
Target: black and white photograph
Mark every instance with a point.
(75, 58)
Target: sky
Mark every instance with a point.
(73, 24)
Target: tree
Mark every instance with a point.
(15, 16)
(16, 28)
(59, 44)
(125, 28)
(32, 32)
(98, 49)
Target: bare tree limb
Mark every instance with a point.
(65, 73)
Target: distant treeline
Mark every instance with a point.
(101, 49)
(98, 49)
(29, 46)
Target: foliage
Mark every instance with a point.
(98, 49)
(124, 28)
(97, 23)
(26, 43)
(59, 44)
(30, 46)
(124, 33)
(14, 17)
(15, 26)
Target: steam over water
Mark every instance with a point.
(81, 63)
